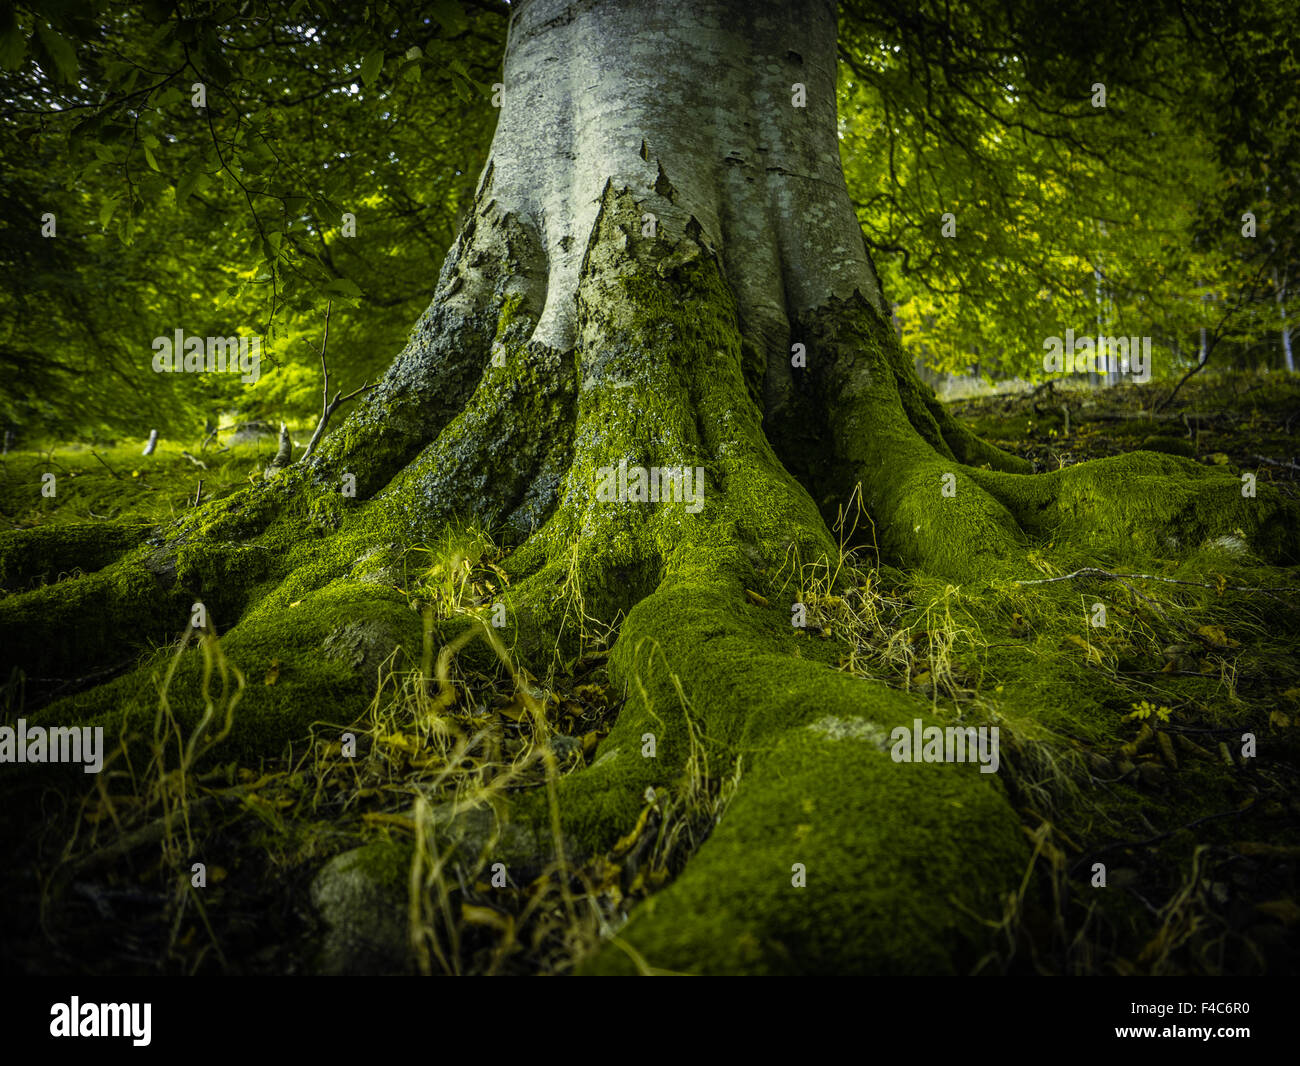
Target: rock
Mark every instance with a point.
(1168, 445)
(249, 432)
(833, 728)
(1152, 776)
(363, 645)
(361, 897)
(1100, 765)
(565, 746)
(478, 833)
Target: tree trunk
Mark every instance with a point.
(663, 269)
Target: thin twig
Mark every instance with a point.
(49, 461)
(1216, 335)
(106, 466)
(328, 406)
(1275, 462)
(1106, 575)
(1162, 836)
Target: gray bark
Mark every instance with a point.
(689, 105)
(1280, 289)
(284, 452)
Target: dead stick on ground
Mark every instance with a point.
(1275, 462)
(328, 406)
(1163, 836)
(1106, 575)
(198, 494)
(106, 466)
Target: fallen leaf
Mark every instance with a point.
(477, 915)
(1216, 637)
(1094, 656)
(1273, 851)
(1284, 910)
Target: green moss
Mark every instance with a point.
(865, 827)
(1148, 503)
(116, 484)
(898, 859)
(307, 587)
(717, 680)
(44, 554)
(316, 661)
(72, 629)
(1168, 445)
(662, 384)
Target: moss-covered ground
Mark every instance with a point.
(1122, 735)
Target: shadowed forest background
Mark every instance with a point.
(297, 172)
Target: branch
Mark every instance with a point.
(115, 474)
(328, 406)
(1106, 575)
(1275, 462)
(1215, 336)
(1163, 836)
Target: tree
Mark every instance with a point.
(662, 270)
(287, 141)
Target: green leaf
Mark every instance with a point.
(371, 66)
(167, 97)
(148, 158)
(187, 184)
(342, 287)
(13, 45)
(60, 51)
(451, 19)
(106, 210)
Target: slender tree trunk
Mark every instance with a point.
(1288, 359)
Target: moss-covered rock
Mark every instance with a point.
(361, 899)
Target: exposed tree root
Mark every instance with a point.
(476, 421)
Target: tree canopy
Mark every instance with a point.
(1015, 166)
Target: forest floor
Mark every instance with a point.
(1130, 756)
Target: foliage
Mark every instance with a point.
(1124, 219)
(227, 219)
